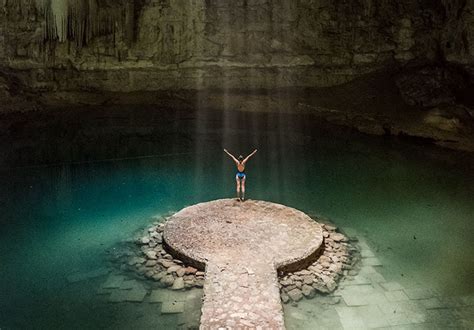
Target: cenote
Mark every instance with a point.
(410, 203)
(122, 202)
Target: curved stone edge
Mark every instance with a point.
(289, 265)
(301, 263)
(130, 256)
(311, 254)
(194, 262)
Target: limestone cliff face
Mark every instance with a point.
(131, 45)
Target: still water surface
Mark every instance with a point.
(414, 210)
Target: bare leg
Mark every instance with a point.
(242, 188)
(237, 181)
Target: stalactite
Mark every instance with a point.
(79, 21)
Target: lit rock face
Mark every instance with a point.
(163, 44)
(242, 244)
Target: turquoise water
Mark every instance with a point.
(412, 203)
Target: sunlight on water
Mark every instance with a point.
(414, 212)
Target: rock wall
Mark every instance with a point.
(193, 44)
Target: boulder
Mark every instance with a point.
(337, 237)
(190, 270)
(173, 269)
(295, 295)
(157, 277)
(320, 287)
(178, 284)
(180, 272)
(189, 283)
(136, 261)
(308, 279)
(151, 263)
(166, 263)
(284, 298)
(167, 280)
(151, 255)
(308, 291)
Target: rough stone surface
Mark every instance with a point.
(430, 86)
(206, 45)
(242, 245)
(171, 44)
(178, 284)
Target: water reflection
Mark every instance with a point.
(60, 219)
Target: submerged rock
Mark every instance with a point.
(151, 263)
(151, 255)
(157, 277)
(180, 272)
(178, 284)
(173, 269)
(322, 275)
(167, 280)
(136, 260)
(308, 291)
(295, 295)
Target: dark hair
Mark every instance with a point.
(241, 157)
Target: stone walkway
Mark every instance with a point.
(242, 245)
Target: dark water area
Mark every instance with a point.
(74, 184)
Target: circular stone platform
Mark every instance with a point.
(242, 245)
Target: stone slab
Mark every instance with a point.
(157, 296)
(113, 282)
(129, 284)
(394, 296)
(172, 307)
(161, 295)
(79, 277)
(392, 286)
(359, 279)
(371, 261)
(367, 253)
(431, 303)
(350, 319)
(118, 296)
(242, 245)
(136, 294)
(419, 293)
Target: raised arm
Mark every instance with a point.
(231, 156)
(247, 158)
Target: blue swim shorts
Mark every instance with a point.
(240, 175)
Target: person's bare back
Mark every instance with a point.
(240, 176)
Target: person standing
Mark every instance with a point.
(240, 176)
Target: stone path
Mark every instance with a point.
(242, 245)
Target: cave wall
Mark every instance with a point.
(192, 44)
